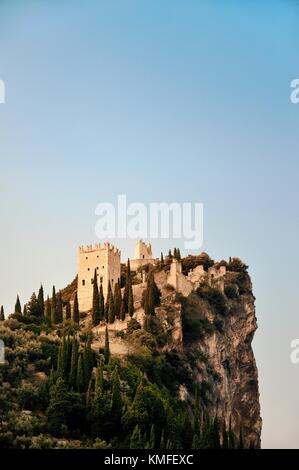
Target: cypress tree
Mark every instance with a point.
(2, 317)
(62, 359)
(40, 300)
(87, 361)
(98, 392)
(175, 253)
(131, 303)
(178, 254)
(59, 316)
(107, 347)
(25, 312)
(76, 309)
(101, 303)
(151, 297)
(117, 300)
(128, 286)
(95, 301)
(152, 441)
(74, 363)
(88, 397)
(18, 308)
(48, 310)
(162, 442)
(162, 259)
(116, 401)
(58, 406)
(196, 425)
(53, 307)
(111, 311)
(108, 300)
(33, 306)
(122, 314)
(68, 312)
(68, 355)
(136, 439)
(80, 381)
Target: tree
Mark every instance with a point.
(2, 317)
(40, 300)
(116, 401)
(107, 347)
(122, 314)
(59, 316)
(25, 311)
(76, 309)
(151, 296)
(74, 363)
(53, 307)
(58, 406)
(18, 308)
(117, 300)
(101, 303)
(98, 391)
(95, 301)
(48, 310)
(136, 439)
(80, 380)
(131, 303)
(33, 306)
(68, 312)
(162, 259)
(111, 310)
(108, 301)
(62, 359)
(196, 424)
(128, 286)
(162, 442)
(87, 361)
(152, 441)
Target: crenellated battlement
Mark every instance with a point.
(106, 246)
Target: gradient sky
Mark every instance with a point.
(162, 101)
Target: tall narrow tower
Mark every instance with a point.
(105, 259)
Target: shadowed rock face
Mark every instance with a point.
(225, 362)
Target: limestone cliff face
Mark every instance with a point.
(224, 366)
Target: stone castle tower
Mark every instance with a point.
(105, 259)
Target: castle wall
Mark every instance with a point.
(105, 259)
(186, 284)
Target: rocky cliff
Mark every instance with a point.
(215, 335)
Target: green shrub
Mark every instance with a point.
(215, 298)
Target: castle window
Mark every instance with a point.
(88, 269)
(97, 267)
(91, 280)
(83, 282)
(97, 256)
(101, 279)
(86, 257)
(103, 267)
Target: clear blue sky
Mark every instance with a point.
(163, 101)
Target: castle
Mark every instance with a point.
(106, 261)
